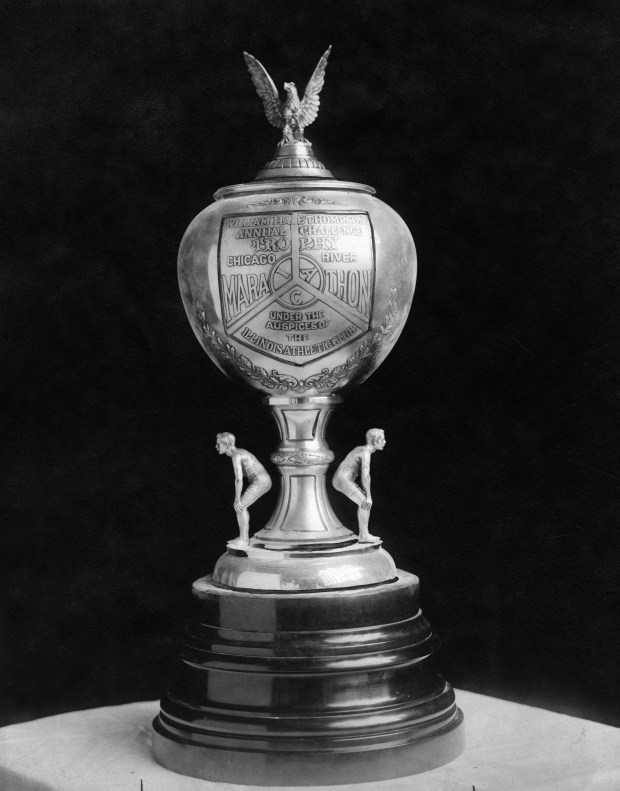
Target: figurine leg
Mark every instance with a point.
(354, 493)
(363, 518)
(243, 519)
(256, 489)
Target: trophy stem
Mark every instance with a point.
(304, 546)
(303, 517)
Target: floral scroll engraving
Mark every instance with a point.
(325, 379)
(303, 458)
(294, 200)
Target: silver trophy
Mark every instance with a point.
(311, 662)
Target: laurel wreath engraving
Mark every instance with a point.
(294, 200)
(303, 458)
(324, 379)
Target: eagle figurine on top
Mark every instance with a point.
(293, 114)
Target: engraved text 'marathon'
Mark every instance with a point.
(240, 292)
(352, 286)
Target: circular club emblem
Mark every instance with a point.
(297, 286)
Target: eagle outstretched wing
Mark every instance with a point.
(267, 90)
(310, 103)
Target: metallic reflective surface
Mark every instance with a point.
(311, 661)
(291, 115)
(352, 565)
(277, 768)
(303, 514)
(301, 680)
(304, 546)
(297, 191)
(294, 160)
(297, 288)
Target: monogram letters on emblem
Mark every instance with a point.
(296, 285)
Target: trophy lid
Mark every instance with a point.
(294, 160)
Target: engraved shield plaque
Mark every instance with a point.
(296, 285)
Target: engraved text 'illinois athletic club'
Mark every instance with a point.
(296, 285)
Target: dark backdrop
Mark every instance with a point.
(493, 129)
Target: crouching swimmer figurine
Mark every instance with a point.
(357, 464)
(245, 464)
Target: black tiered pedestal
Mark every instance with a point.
(308, 688)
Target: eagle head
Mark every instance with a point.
(290, 88)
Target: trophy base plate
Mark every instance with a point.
(308, 688)
(351, 565)
(302, 769)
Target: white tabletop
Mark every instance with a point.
(510, 747)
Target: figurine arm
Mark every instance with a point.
(365, 480)
(238, 483)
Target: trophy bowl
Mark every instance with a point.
(297, 286)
